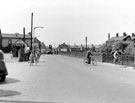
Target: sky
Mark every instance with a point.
(69, 21)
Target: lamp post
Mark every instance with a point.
(35, 37)
(37, 28)
(86, 42)
(31, 31)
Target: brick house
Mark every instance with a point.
(8, 39)
(117, 38)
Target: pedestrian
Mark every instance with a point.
(32, 57)
(37, 57)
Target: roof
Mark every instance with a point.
(88, 46)
(16, 35)
(63, 46)
(19, 43)
(133, 38)
(119, 38)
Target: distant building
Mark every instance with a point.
(117, 38)
(8, 39)
(64, 47)
(76, 48)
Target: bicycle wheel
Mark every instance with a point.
(85, 61)
(94, 62)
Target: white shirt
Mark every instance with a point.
(115, 53)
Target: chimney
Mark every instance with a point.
(108, 36)
(117, 34)
(133, 34)
(124, 34)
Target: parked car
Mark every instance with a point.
(49, 52)
(3, 68)
(43, 51)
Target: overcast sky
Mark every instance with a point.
(69, 21)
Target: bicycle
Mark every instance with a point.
(93, 61)
(118, 60)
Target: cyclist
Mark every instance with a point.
(116, 56)
(89, 56)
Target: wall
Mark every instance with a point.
(97, 56)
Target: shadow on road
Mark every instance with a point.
(14, 101)
(5, 93)
(9, 81)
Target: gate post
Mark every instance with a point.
(103, 57)
(134, 62)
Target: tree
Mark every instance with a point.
(107, 48)
(130, 48)
(120, 45)
(93, 48)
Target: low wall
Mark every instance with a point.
(97, 56)
(128, 60)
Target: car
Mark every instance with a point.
(3, 71)
(49, 52)
(3, 68)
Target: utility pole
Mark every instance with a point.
(31, 30)
(24, 35)
(86, 42)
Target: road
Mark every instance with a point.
(63, 79)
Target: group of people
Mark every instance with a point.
(34, 57)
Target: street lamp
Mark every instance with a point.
(37, 28)
(35, 38)
(31, 31)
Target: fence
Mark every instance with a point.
(98, 56)
(128, 60)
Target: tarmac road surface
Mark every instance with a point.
(63, 79)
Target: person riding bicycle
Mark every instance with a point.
(89, 56)
(116, 56)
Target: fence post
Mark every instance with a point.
(122, 59)
(134, 62)
(103, 57)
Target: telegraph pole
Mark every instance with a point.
(31, 30)
(24, 34)
(86, 42)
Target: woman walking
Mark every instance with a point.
(37, 57)
(32, 57)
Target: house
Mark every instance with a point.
(75, 48)
(133, 37)
(117, 38)
(64, 47)
(8, 39)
